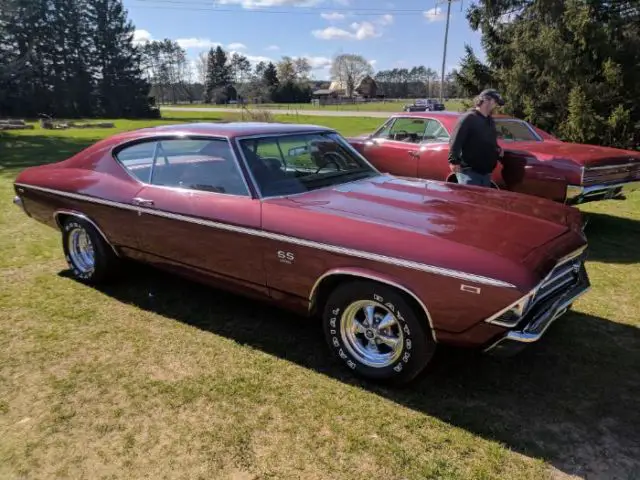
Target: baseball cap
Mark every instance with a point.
(491, 93)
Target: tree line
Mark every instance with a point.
(70, 58)
(219, 76)
(571, 67)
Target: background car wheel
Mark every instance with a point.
(375, 331)
(89, 257)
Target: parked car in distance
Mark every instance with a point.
(535, 162)
(292, 214)
(424, 105)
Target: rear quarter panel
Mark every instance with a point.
(92, 173)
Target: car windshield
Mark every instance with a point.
(515, 131)
(296, 163)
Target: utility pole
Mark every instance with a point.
(444, 52)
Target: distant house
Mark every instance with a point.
(337, 91)
(324, 96)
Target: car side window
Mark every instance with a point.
(195, 164)
(514, 131)
(407, 129)
(435, 132)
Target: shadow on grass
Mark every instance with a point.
(613, 239)
(571, 399)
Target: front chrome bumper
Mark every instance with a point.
(578, 194)
(534, 325)
(17, 201)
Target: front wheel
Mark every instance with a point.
(88, 255)
(374, 330)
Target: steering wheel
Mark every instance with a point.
(395, 135)
(330, 160)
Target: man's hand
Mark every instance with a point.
(500, 152)
(455, 168)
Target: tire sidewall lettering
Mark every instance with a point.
(336, 340)
(77, 273)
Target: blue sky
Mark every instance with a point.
(389, 33)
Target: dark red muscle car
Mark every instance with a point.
(293, 215)
(535, 162)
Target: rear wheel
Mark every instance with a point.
(376, 332)
(88, 255)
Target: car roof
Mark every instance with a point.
(444, 114)
(233, 129)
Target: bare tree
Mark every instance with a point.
(201, 68)
(349, 70)
(286, 70)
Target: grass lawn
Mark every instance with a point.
(157, 377)
(389, 106)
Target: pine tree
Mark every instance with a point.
(68, 51)
(122, 91)
(209, 85)
(270, 75)
(219, 76)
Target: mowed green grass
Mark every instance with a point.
(389, 106)
(157, 377)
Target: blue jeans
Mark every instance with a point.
(469, 177)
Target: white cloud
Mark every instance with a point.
(237, 46)
(318, 63)
(269, 3)
(386, 19)
(141, 36)
(434, 14)
(333, 16)
(360, 31)
(273, 48)
(254, 58)
(193, 42)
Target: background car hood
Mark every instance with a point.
(587, 155)
(503, 223)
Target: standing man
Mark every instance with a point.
(473, 147)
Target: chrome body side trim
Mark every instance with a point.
(607, 167)
(347, 272)
(577, 194)
(469, 277)
(82, 216)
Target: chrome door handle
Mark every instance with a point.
(142, 202)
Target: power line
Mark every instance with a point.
(207, 6)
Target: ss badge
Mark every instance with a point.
(286, 257)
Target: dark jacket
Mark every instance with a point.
(474, 143)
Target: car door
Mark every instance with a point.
(434, 152)
(195, 211)
(395, 148)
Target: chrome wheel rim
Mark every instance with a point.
(371, 333)
(81, 250)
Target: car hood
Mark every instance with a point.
(503, 223)
(584, 155)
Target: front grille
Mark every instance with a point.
(627, 172)
(564, 277)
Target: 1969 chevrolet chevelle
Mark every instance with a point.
(293, 215)
(535, 162)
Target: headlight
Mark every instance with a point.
(510, 316)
